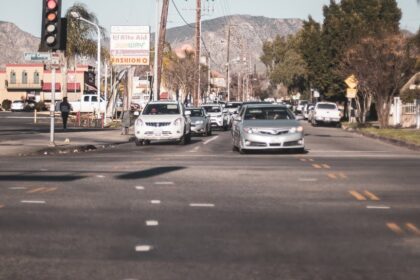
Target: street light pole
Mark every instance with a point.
(155, 66)
(76, 15)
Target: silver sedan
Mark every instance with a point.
(267, 127)
(200, 122)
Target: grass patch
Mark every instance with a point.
(410, 136)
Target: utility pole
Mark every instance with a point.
(209, 77)
(197, 53)
(155, 63)
(161, 47)
(228, 64)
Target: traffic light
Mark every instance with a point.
(53, 29)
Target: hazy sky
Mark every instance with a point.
(27, 13)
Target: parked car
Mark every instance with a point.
(200, 122)
(300, 105)
(232, 109)
(163, 120)
(23, 105)
(326, 112)
(218, 117)
(307, 110)
(267, 127)
(88, 103)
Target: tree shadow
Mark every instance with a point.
(151, 172)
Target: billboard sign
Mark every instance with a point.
(130, 45)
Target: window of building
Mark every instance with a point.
(24, 77)
(36, 77)
(13, 77)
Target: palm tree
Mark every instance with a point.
(81, 39)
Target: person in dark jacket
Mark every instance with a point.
(65, 109)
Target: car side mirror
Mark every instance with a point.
(238, 118)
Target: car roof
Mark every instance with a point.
(212, 104)
(265, 106)
(193, 108)
(326, 103)
(163, 102)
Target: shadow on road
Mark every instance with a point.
(40, 178)
(152, 172)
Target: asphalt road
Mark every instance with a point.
(347, 209)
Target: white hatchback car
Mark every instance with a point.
(163, 120)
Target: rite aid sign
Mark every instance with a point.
(130, 45)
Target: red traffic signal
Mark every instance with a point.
(51, 37)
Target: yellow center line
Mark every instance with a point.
(49, 190)
(372, 196)
(326, 166)
(332, 175)
(357, 195)
(36, 190)
(343, 175)
(1, 206)
(317, 166)
(413, 228)
(395, 228)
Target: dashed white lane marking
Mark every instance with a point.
(139, 188)
(164, 183)
(143, 248)
(33, 201)
(195, 149)
(43, 169)
(155, 201)
(308, 180)
(383, 207)
(201, 205)
(17, 188)
(152, 223)
(100, 176)
(210, 140)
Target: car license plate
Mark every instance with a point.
(158, 133)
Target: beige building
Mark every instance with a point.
(33, 81)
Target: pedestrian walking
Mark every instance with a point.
(65, 109)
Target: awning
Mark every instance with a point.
(89, 87)
(48, 87)
(73, 87)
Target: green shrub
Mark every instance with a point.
(6, 104)
(40, 106)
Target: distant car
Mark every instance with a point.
(326, 112)
(267, 127)
(163, 120)
(218, 117)
(200, 122)
(300, 105)
(23, 105)
(232, 108)
(307, 110)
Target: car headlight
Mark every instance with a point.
(296, 129)
(250, 130)
(199, 122)
(139, 122)
(178, 122)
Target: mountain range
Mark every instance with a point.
(247, 34)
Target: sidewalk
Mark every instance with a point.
(71, 140)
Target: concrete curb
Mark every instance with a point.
(395, 142)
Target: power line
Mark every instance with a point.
(181, 16)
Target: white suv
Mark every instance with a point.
(218, 116)
(163, 120)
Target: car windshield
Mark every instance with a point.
(268, 113)
(212, 109)
(196, 112)
(161, 109)
(327, 106)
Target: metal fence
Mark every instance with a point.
(409, 109)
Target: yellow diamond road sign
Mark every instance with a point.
(351, 81)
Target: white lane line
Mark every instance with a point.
(33, 201)
(155, 201)
(308, 180)
(210, 140)
(143, 248)
(195, 149)
(164, 183)
(139, 188)
(43, 169)
(378, 207)
(17, 188)
(100, 176)
(201, 205)
(152, 223)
